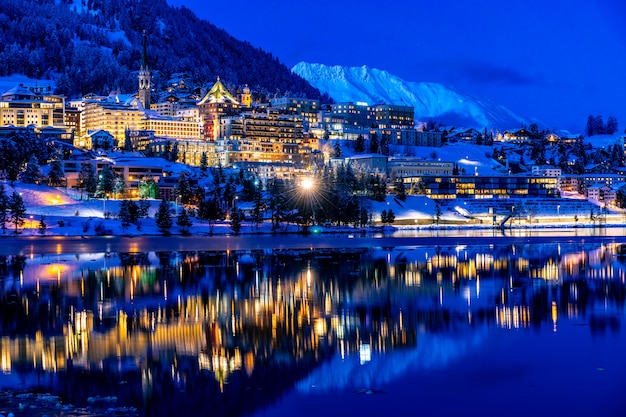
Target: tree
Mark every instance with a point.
(106, 182)
(384, 144)
(437, 214)
(17, 210)
(148, 189)
(589, 128)
(42, 225)
(399, 190)
(56, 174)
(32, 173)
(144, 208)
(183, 189)
(210, 211)
(374, 143)
(87, 179)
(359, 144)
(204, 163)
(119, 186)
(163, 218)
(235, 220)
(184, 221)
(4, 208)
(598, 125)
(259, 208)
(129, 212)
(611, 125)
(387, 217)
(337, 152)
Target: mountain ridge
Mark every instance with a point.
(94, 46)
(431, 100)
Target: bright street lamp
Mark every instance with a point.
(307, 184)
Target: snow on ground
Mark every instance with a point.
(8, 82)
(66, 214)
(475, 159)
(603, 141)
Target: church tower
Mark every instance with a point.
(144, 77)
(246, 98)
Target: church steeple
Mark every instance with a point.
(144, 76)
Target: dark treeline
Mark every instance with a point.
(96, 49)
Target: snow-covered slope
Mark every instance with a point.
(431, 100)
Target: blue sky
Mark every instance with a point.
(555, 60)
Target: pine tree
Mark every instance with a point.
(4, 207)
(184, 221)
(611, 125)
(32, 173)
(17, 210)
(399, 190)
(337, 152)
(204, 164)
(589, 129)
(235, 221)
(144, 208)
(124, 213)
(374, 143)
(359, 144)
(87, 179)
(119, 186)
(384, 144)
(106, 182)
(183, 189)
(56, 174)
(163, 218)
(42, 225)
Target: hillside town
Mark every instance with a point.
(226, 153)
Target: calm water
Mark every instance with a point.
(484, 330)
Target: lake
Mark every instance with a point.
(472, 325)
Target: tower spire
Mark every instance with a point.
(144, 53)
(145, 82)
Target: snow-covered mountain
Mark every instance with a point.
(430, 100)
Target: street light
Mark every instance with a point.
(558, 211)
(307, 184)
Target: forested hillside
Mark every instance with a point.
(95, 46)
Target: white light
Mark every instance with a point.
(307, 183)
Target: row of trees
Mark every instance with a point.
(596, 126)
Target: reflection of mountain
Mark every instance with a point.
(204, 329)
(353, 373)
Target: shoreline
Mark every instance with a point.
(39, 245)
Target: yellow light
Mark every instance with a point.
(307, 183)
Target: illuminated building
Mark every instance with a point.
(409, 137)
(356, 115)
(393, 116)
(480, 186)
(216, 103)
(306, 108)
(267, 136)
(22, 107)
(415, 167)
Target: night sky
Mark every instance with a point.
(555, 60)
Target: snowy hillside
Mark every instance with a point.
(431, 100)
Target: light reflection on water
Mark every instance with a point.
(198, 331)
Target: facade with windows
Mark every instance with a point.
(22, 107)
(483, 187)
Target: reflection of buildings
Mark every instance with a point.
(226, 320)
